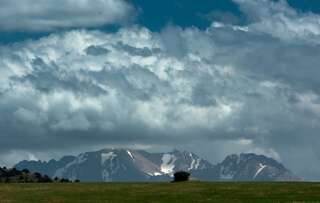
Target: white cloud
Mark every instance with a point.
(9, 159)
(47, 15)
(280, 20)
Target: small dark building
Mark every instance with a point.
(181, 176)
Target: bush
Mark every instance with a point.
(38, 176)
(46, 179)
(181, 176)
(64, 180)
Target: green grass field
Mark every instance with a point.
(192, 192)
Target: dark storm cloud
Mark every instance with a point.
(228, 88)
(96, 50)
(49, 77)
(145, 52)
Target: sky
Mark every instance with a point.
(213, 77)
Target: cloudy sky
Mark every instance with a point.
(214, 77)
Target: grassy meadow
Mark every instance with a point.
(192, 192)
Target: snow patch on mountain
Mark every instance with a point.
(260, 169)
(78, 160)
(130, 154)
(155, 174)
(167, 164)
(195, 163)
(109, 166)
(107, 156)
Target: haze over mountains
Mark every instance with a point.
(138, 165)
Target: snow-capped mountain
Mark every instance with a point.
(254, 167)
(247, 167)
(139, 165)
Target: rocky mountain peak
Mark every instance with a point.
(140, 165)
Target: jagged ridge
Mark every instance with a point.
(140, 165)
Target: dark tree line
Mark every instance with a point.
(25, 176)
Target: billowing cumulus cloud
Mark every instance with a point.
(227, 89)
(47, 15)
(279, 20)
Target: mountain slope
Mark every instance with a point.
(252, 167)
(139, 165)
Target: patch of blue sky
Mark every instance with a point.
(155, 15)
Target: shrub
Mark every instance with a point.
(64, 180)
(181, 176)
(46, 179)
(38, 175)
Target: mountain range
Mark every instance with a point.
(109, 165)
